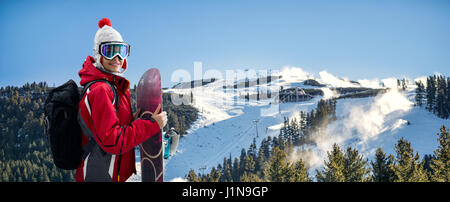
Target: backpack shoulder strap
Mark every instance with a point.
(113, 89)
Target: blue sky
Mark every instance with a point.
(49, 40)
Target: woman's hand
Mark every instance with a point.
(160, 118)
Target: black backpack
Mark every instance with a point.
(61, 126)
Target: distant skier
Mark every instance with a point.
(115, 133)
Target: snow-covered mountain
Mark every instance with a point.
(229, 122)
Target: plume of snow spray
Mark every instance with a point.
(359, 125)
(295, 74)
(328, 93)
(332, 80)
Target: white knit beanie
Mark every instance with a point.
(106, 33)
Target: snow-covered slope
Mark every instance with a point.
(227, 122)
(369, 123)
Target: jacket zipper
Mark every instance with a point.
(120, 155)
(118, 167)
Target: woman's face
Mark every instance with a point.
(113, 65)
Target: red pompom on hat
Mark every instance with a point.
(103, 22)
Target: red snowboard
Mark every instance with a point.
(148, 97)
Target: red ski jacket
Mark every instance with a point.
(112, 158)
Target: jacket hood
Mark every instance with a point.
(89, 73)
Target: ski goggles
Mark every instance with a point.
(109, 50)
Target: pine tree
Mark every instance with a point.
(381, 167)
(249, 166)
(348, 167)
(242, 162)
(310, 122)
(275, 143)
(5, 177)
(252, 149)
(259, 163)
(441, 89)
(285, 130)
(214, 176)
(265, 145)
(298, 172)
(276, 170)
(420, 93)
(192, 176)
(427, 158)
(431, 92)
(404, 85)
(355, 167)
(333, 170)
(250, 177)
(174, 121)
(226, 172)
(235, 170)
(407, 167)
(302, 128)
(447, 102)
(441, 165)
(281, 143)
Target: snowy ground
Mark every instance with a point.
(226, 122)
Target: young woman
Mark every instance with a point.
(111, 134)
